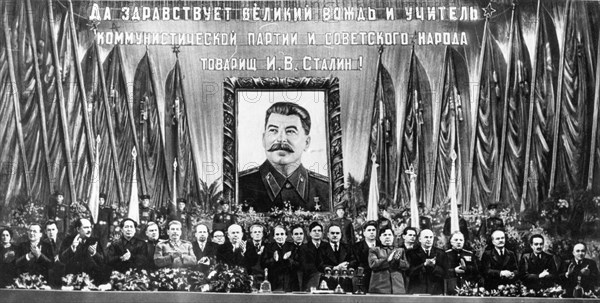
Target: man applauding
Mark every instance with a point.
(127, 251)
(81, 252)
(579, 270)
(426, 272)
(233, 252)
(175, 252)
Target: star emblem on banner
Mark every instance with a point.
(114, 27)
(488, 11)
(176, 50)
(93, 25)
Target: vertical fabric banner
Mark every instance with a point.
(94, 198)
(134, 202)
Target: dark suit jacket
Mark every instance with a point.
(587, 282)
(347, 230)
(79, 261)
(361, 252)
(226, 255)
(149, 248)
(137, 249)
(310, 258)
(425, 279)
(330, 259)
(34, 266)
(492, 264)
(254, 259)
(280, 271)
(530, 267)
(210, 251)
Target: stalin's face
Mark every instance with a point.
(285, 140)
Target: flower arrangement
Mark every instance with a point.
(223, 278)
(80, 281)
(28, 281)
(472, 290)
(132, 280)
(25, 211)
(508, 290)
(169, 279)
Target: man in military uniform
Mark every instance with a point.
(147, 213)
(461, 264)
(346, 225)
(106, 217)
(57, 211)
(282, 179)
(175, 252)
(182, 215)
(490, 224)
(224, 218)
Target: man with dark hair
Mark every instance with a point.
(297, 278)
(106, 217)
(127, 251)
(537, 268)
(579, 271)
(51, 248)
(310, 256)
(255, 247)
(82, 253)
(30, 258)
(336, 255)
(498, 265)
(152, 233)
(361, 251)
(278, 260)
(282, 178)
(426, 272)
(409, 235)
(204, 250)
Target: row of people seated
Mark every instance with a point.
(415, 267)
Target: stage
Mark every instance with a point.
(10, 295)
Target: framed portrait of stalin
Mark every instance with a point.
(282, 143)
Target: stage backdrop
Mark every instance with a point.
(511, 88)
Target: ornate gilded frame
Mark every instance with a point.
(329, 85)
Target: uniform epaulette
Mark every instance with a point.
(468, 251)
(449, 250)
(249, 171)
(318, 176)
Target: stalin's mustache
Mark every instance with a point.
(281, 146)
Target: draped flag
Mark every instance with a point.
(485, 145)
(541, 113)
(179, 147)
(414, 209)
(514, 126)
(449, 138)
(94, 198)
(573, 121)
(372, 206)
(382, 142)
(14, 182)
(134, 202)
(412, 151)
(152, 161)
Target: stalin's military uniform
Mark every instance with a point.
(264, 188)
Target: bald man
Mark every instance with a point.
(233, 251)
(426, 272)
(498, 265)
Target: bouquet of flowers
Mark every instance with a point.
(80, 281)
(223, 278)
(27, 281)
(198, 281)
(132, 280)
(553, 292)
(472, 290)
(170, 279)
(510, 290)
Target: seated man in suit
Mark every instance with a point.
(361, 251)
(310, 256)
(127, 251)
(255, 247)
(537, 268)
(461, 264)
(277, 259)
(426, 272)
(30, 256)
(204, 250)
(175, 252)
(336, 255)
(297, 272)
(498, 265)
(82, 253)
(579, 270)
(233, 251)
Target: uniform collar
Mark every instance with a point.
(275, 181)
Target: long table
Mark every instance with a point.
(17, 295)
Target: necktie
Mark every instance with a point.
(202, 244)
(428, 253)
(335, 247)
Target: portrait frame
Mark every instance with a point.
(329, 85)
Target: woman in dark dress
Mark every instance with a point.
(8, 253)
